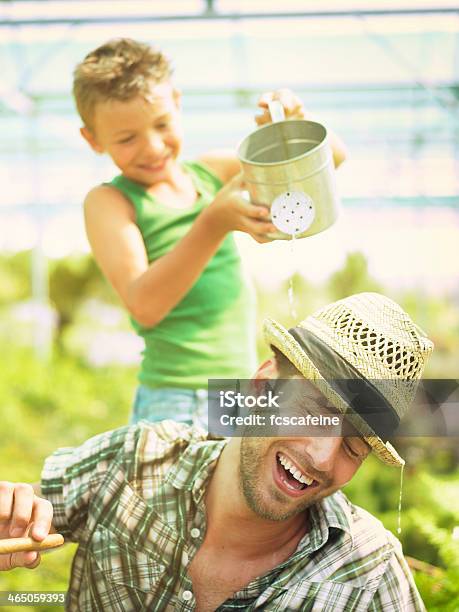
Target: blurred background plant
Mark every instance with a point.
(385, 77)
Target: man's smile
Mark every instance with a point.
(290, 478)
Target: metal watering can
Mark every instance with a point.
(289, 166)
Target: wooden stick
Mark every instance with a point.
(422, 566)
(14, 545)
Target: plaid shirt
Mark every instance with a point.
(133, 499)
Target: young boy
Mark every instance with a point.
(161, 230)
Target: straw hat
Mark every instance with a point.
(365, 337)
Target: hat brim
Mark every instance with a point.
(276, 335)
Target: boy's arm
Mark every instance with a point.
(23, 512)
(149, 292)
(224, 163)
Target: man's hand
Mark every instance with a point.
(293, 106)
(22, 513)
(231, 211)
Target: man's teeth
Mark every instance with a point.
(294, 471)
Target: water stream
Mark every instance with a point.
(290, 291)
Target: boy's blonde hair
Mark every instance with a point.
(120, 69)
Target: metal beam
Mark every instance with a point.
(214, 16)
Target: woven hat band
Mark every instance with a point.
(356, 390)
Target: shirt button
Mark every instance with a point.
(195, 533)
(187, 595)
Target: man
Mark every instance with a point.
(168, 519)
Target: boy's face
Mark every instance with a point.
(143, 138)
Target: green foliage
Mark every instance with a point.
(74, 279)
(440, 590)
(440, 538)
(14, 277)
(440, 317)
(61, 401)
(71, 282)
(354, 277)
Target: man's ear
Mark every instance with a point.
(268, 369)
(91, 139)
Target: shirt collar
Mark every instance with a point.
(333, 511)
(195, 465)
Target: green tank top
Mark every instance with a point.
(211, 332)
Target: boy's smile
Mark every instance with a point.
(142, 137)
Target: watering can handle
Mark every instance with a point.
(276, 110)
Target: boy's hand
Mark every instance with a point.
(21, 512)
(294, 109)
(231, 211)
(293, 106)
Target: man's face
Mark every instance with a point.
(266, 466)
(143, 137)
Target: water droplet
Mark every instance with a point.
(291, 296)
